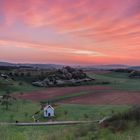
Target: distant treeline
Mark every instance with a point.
(122, 70)
(132, 73)
(12, 67)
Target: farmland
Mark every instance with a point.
(96, 95)
(111, 93)
(15, 86)
(52, 93)
(120, 89)
(118, 80)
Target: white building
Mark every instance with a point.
(48, 111)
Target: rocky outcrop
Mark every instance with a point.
(64, 76)
(135, 74)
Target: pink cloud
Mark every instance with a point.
(110, 26)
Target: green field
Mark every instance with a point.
(22, 111)
(118, 80)
(15, 86)
(80, 132)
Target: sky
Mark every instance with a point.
(70, 31)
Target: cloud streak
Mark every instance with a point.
(110, 28)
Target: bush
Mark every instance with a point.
(119, 121)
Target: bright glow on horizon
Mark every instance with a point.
(70, 31)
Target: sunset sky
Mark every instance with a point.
(70, 31)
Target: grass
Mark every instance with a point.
(118, 80)
(80, 132)
(19, 110)
(23, 111)
(15, 86)
(89, 112)
(132, 133)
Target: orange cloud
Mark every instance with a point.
(103, 30)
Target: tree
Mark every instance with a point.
(42, 104)
(6, 101)
(22, 74)
(28, 74)
(65, 113)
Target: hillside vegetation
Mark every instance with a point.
(117, 80)
(23, 110)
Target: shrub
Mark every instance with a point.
(118, 122)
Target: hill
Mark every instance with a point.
(103, 67)
(65, 76)
(43, 66)
(135, 68)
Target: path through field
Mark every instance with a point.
(50, 123)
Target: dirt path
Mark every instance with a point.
(51, 123)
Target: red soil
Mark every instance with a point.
(122, 98)
(58, 91)
(96, 95)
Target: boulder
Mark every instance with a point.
(64, 76)
(38, 84)
(60, 82)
